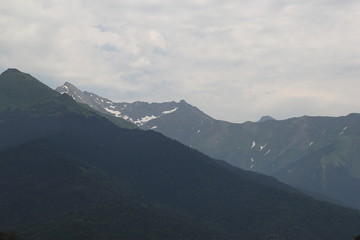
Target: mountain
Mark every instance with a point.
(143, 114)
(68, 173)
(18, 90)
(266, 118)
(52, 195)
(317, 154)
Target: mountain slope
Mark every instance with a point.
(180, 179)
(47, 194)
(276, 147)
(18, 89)
(284, 149)
(143, 114)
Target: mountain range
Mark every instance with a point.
(317, 154)
(68, 172)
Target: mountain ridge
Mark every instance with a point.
(81, 158)
(138, 112)
(272, 147)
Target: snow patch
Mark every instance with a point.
(253, 144)
(170, 111)
(116, 113)
(262, 147)
(154, 127)
(252, 166)
(343, 131)
(198, 131)
(144, 120)
(310, 144)
(81, 99)
(66, 90)
(267, 152)
(252, 160)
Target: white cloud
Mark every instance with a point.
(237, 60)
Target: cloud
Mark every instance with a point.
(236, 60)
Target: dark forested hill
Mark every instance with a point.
(47, 194)
(68, 173)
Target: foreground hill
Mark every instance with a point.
(318, 154)
(68, 173)
(47, 194)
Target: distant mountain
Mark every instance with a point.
(69, 173)
(317, 154)
(266, 118)
(143, 114)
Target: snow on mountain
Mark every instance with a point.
(145, 119)
(139, 113)
(115, 113)
(170, 111)
(262, 147)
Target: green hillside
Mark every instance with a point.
(21, 91)
(283, 149)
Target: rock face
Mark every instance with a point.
(142, 114)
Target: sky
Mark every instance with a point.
(234, 60)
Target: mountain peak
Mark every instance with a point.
(183, 103)
(18, 89)
(12, 70)
(266, 118)
(72, 91)
(69, 84)
(66, 87)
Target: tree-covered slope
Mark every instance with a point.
(47, 194)
(20, 90)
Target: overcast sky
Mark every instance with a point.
(235, 60)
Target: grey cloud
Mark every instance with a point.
(246, 58)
